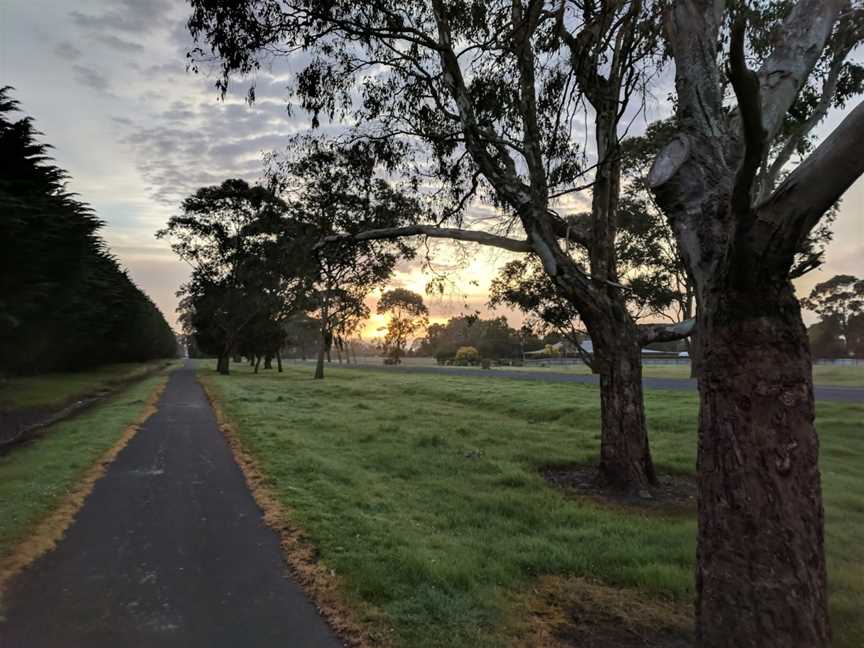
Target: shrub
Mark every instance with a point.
(467, 355)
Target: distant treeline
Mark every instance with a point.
(65, 303)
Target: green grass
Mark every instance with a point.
(836, 375)
(34, 477)
(56, 389)
(422, 491)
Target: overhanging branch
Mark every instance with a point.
(473, 236)
(787, 217)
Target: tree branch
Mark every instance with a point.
(787, 217)
(483, 238)
(651, 333)
(805, 32)
(745, 82)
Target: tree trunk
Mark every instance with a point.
(268, 361)
(760, 574)
(625, 455)
(257, 363)
(279, 360)
(319, 366)
(223, 364)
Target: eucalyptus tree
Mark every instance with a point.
(742, 217)
(336, 189)
(486, 99)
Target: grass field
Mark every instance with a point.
(35, 478)
(836, 375)
(56, 389)
(423, 493)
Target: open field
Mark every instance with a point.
(56, 389)
(35, 478)
(423, 493)
(833, 375)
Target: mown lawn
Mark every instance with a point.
(423, 492)
(836, 375)
(35, 477)
(56, 389)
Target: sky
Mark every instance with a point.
(107, 84)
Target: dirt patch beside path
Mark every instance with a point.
(562, 612)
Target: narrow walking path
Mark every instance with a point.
(169, 550)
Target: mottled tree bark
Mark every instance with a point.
(760, 575)
(625, 457)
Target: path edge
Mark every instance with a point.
(321, 585)
(49, 531)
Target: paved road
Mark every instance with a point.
(822, 392)
(169, 550)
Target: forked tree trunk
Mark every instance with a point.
(760, 567)
(625, 455)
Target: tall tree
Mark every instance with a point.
(408, 315)
(760, 573)
(225, 233)
(484, 98)
(334, 189)
(839, 302)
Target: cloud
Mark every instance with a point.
(67, 51)
(118, 44)
(91, 78)
(131, 16)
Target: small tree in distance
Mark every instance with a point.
(467, 355)
(408, 315)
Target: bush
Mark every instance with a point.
(486, 363)
(467, 355)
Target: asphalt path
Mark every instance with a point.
(169, 550)
(821, 392)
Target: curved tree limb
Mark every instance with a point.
(650, 333)
(483, 238)
(745, 82)
(787, 217)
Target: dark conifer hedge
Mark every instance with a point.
(65, 303)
